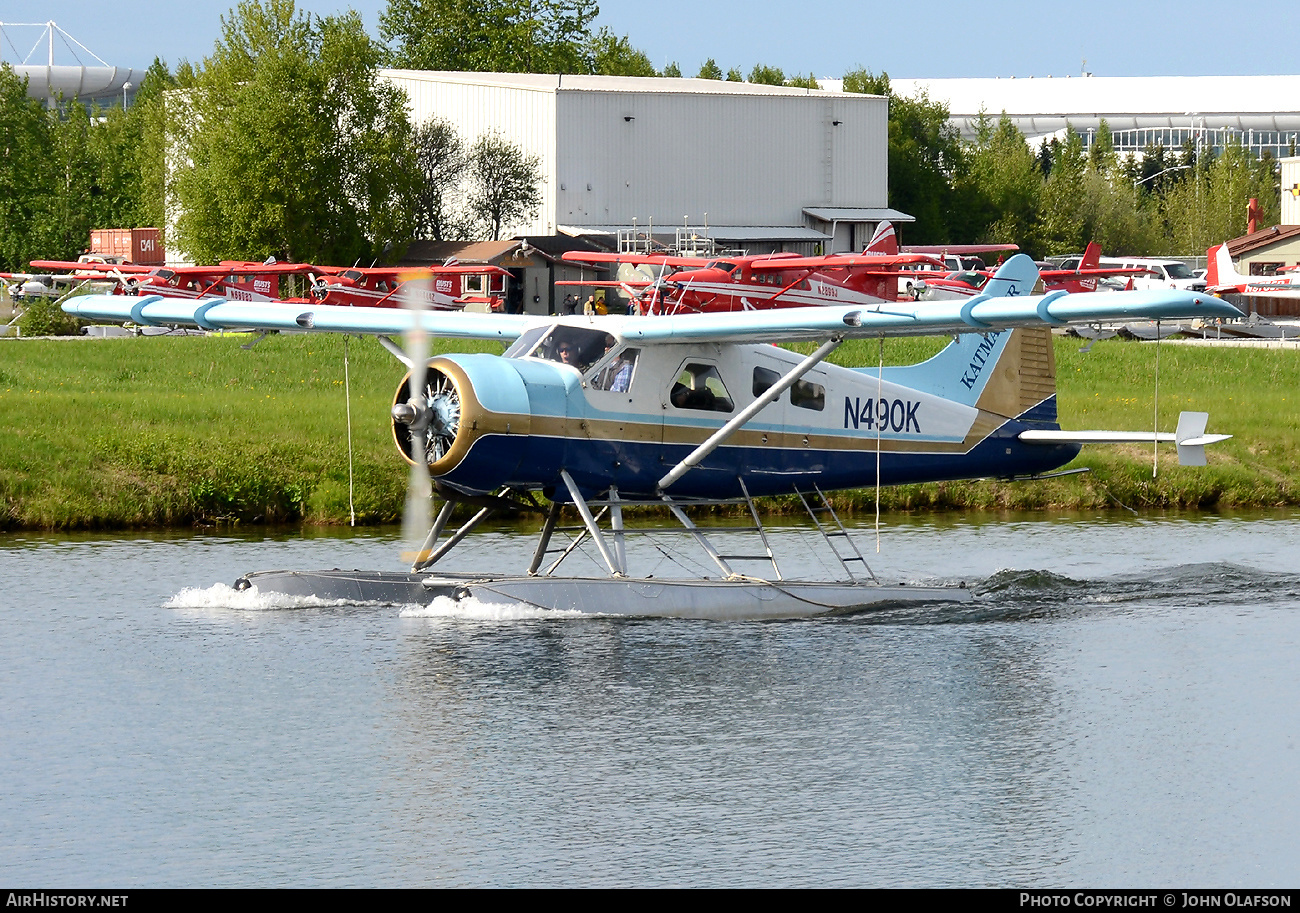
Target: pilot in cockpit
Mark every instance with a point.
(566, 353)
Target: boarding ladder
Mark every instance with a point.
(723, 560)
(833, 531)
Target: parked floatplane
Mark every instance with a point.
(607, 412)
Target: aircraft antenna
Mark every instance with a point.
(1155, 409)
(880, 380)
(347, 397)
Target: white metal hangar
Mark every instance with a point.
(752, 167)
(1262, 112)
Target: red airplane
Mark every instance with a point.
(235, 280)
(1221, 277)
(1076, 275)
(439, 287)
(759, 282)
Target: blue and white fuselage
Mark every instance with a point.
(526, 417)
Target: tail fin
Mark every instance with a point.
(884, 241)
(1017, 276)
(1091, 256)
(1010, 373)
(1220, 273)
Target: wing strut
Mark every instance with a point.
(769, 396)
(615, 569)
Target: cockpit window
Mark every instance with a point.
(577, 347)
(724, 265)
(974, 280)
(524, 344)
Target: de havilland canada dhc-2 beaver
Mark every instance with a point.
(604, 412)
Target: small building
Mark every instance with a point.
(534, 264)
(1264, 253)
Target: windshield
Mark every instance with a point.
(1178, 271)
(524, 344)
(577, 347)
(974, 280)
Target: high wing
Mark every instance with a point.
(884, 263)
(412, 272)
(1003, 304)
(106, 269)
(574, 256)
(941, 249)
(246, 267)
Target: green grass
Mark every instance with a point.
(178, 431)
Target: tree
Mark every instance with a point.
(766, 76)
(66, 170)
(286, 143)
(442, 160)
(506, 183)
(864, 82)
(1210, 206)
(615, 56)
(925, 155)
(1101, 154)
(25, 148)
(1002, 188)
(709, 70)
(1064, 198)
(501, 36)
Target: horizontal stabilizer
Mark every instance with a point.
(1190, 437)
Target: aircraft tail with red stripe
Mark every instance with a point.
(884, 241)
(1220, 274)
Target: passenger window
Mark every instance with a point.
(616, 377)
(764, 378)
(700, 387)
(807, 395)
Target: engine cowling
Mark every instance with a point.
(466, 399)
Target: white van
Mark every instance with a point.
(1160, 273)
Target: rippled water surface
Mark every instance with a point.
(1118, 706)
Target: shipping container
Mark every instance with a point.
(136, 245)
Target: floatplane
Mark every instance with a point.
(607, 412)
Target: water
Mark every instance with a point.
(1118, 707)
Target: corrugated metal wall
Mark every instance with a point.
(613, 156)
(742, 159)
(525, 116)
(1291, 191)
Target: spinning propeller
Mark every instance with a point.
(416, 413)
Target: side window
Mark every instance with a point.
(700, 387)
(807, 395)
(616, 377)
(764, 378)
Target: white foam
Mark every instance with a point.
(470, 608)
(222, 596)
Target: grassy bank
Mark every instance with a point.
(191, 430)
